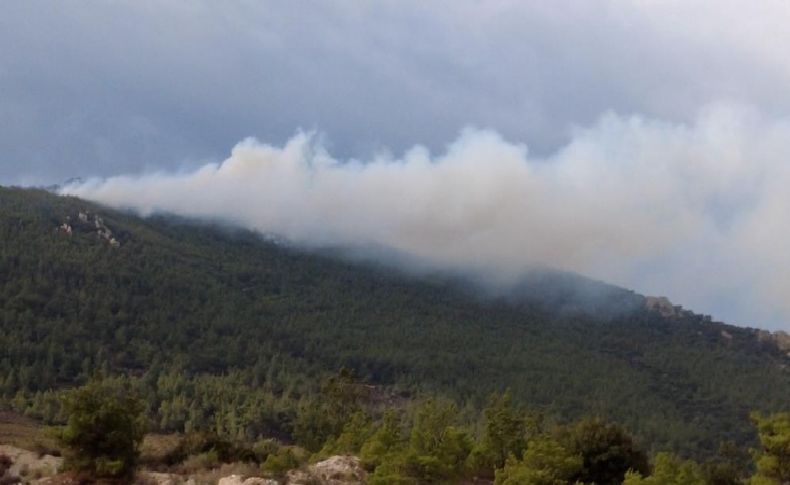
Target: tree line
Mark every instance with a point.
(426, 441)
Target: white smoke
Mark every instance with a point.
(695, 211)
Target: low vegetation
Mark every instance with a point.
(425, 442)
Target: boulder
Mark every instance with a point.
(28, 463)
(339, 469)
(260, 481)
(239, 480)
(231, 480)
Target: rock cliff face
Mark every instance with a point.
(88, 222)
(782, 340)
(662, 305)
(667, 309)
(779, 338)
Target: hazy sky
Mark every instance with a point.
(644, 141)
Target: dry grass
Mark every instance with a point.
(22, 432)
(156, 448)
(210, 477)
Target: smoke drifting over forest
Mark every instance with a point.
(696, 211)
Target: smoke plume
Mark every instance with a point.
(697, 211)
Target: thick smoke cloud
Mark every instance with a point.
(696, 211)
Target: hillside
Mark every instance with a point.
(225, 330)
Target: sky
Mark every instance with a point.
(645, 143)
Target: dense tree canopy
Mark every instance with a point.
(224, 331)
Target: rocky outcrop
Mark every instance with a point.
(155, 478)
(104, 232)
(87, 222)
(782, 340)
(779, 338)
(341, 469)
(239, 480)
(667, 309)
(65, 228)
(29, 465)
(661, 304)
(335, 470)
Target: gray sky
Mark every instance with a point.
(100, 88)
(645, 142)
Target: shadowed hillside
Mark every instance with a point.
(224, 330)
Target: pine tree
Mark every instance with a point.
(545, 462)
(668, 469)
(505, 435)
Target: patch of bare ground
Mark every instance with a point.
(22, 432)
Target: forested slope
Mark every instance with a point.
(222, 329)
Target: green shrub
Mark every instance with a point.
(279, 463)
(263, 448)
(104, 430)
(668, 469)
(202, 461)
(224, 449)
(608, 452)
(773, 457)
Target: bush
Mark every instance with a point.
(668, 469)
(104, 431)
(263, 448)
(199, 443)
(608, 452)
(773, 457)
(279, 463)
(201, 461)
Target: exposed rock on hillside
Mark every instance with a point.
(87, 222)
(779, 338)
(337, 470)
(28, 465)
(239, 480)
(667, 309)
